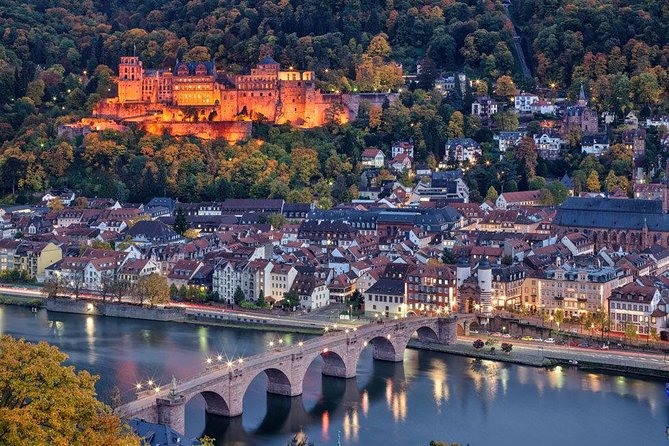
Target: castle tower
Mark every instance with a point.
(130, 77)
(485, 285)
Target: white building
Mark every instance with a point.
(548, 146)
(523, 102)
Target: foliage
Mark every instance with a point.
(15, 276)
(180, 223)
(153, 289)
(449, 257)
(478, 344)
(506, 347)
(291, 299)
(239, 296)
(45, 402)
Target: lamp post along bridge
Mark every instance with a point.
(224, 383)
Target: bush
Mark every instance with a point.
(478, 344)
(506, 347)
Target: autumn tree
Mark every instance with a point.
(152, 289)
(46, 403)
(491, 195)
(592, 183)
(526, 155)
(456, 125)
(506, 121)
(505, 86)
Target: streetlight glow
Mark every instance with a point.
(150, 383)
(241, 360)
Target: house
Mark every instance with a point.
(401, 163)
(423, 170)
(431, 288)
(484, 107)
(97, 270)
(183, 271)
(542, 107)
(281, 278)
(643, 307)
(66, 197)
(8, 253)
(631, 120)
(548, 145)
(373, 158)
(152, 232)
(594, 144)
(402, 147)
(311, 290)
(462, 149)
(154, 434)
(386, 298)
(522, 103)
(515, 199)
(506, 140)
(133, 269)
(578, 244)
(445, 184)
(635, 141)
(34, 257)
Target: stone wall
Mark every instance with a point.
(130, 311)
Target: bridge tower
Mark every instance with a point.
(485, 285)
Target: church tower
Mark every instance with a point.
(130, 77)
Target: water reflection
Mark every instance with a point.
(430, 396)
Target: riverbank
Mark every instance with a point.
(539, 357)
(22, 301)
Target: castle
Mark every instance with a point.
(580, 116)
(196, 99)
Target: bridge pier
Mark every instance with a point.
(172, 412)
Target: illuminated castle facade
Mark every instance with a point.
(197, 99)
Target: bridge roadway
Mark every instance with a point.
(224, 384)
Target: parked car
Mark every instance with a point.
(497, 334)
(527, 338)
(538, 339)
(506, 335)
(549, 341)
(604, 347)
(473, 332)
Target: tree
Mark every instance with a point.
(507, 347)
(558, 315)
(526, 155)
(592, 183)
(239, 296)
(207, 441)
(456, 125)
(261, 299)
(55, 205)
(505, 86)
(45, 402)
(74, 283)
(53, 287)
(478, 344)
(448, 257)
(291, 299)
(153, 289)
(180, 223)
(491, 195)
(631, 332)
(506, 121)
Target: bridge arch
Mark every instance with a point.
(386, 348)
(214, 403)
(427, 335)
(278, 382)
(335, 365)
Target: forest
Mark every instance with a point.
(57, 59)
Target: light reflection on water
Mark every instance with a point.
(430, 396)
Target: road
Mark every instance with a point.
(565, 352)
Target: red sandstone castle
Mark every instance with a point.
(197, 99)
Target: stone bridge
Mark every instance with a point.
(223, 385)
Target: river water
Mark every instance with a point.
(429, 396)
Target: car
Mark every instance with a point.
(538, 339)
(506, 335)
(496, 334)
(604, 347)
(527, 338)
(473, 332)
(549, 341)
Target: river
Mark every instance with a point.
(430, 396)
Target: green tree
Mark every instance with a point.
(631, 332)
(291, 299)
(180, 223)
(506, 121)
(239, 296)
(449, 257)
(261, 299)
